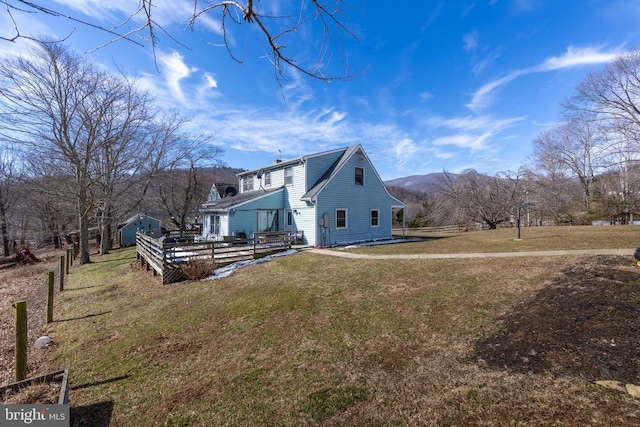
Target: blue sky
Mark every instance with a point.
(440, 85)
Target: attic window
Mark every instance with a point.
(247, 183)
(359, 175)
(288, 176)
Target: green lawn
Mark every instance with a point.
(313, 340)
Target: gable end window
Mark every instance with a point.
(341, 218)
(288, 176)
(375, 218)
(359, 175)
(247, 183)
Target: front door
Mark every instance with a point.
(288, 220)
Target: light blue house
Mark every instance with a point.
(327, 198)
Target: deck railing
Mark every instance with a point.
(167, 259)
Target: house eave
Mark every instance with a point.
(228, 205)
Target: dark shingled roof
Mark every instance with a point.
(232, 201)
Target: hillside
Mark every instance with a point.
(421, 183)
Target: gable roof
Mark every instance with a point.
(240, 199)
(134, 218)
(335, 168)
(330, 173)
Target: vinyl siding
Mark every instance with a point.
(318, 165)
(342, 193)
(244, 218)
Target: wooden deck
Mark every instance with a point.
(167, 259)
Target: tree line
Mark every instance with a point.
(584, 168)
(82, 149)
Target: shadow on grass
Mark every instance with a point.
(84, 317)
(94, 415)
(85, 287)
(97, 383)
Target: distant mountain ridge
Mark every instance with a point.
(421, 183)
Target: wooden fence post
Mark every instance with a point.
(50, 283)
(70, 255)
(21, 340)
(61, 272)
(67, 262)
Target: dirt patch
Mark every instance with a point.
(25, 283)
(585, 322)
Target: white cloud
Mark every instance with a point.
(164, 12)
(479, 65)
(474, 142)
(174, 69)
(99, 9)
(573, 57)
(426, 95)
(472, 123)
(470, 133)
(470, 40)
(404, 151)
(211, 82)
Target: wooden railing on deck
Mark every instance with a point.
(166, 259)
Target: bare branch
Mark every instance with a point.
(45, 10)
(328, 15)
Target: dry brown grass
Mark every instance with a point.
(505, 240)
(25, 283)
(41, 394)
(313, 340)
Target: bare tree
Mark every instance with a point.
(553, 193)
(575, 146)
(83, 121)
(181, 188)
(127, 150)
(610, 98)
(612, 95)
(279, 31)
(9, 178)
(481, 198)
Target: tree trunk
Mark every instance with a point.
(105, 230)
(83, 212)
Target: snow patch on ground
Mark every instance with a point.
(228, 270)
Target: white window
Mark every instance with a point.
(341, 218)
(288, 176)
(375, 218)
(359, 175)
(267, 179)
(247, 183)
